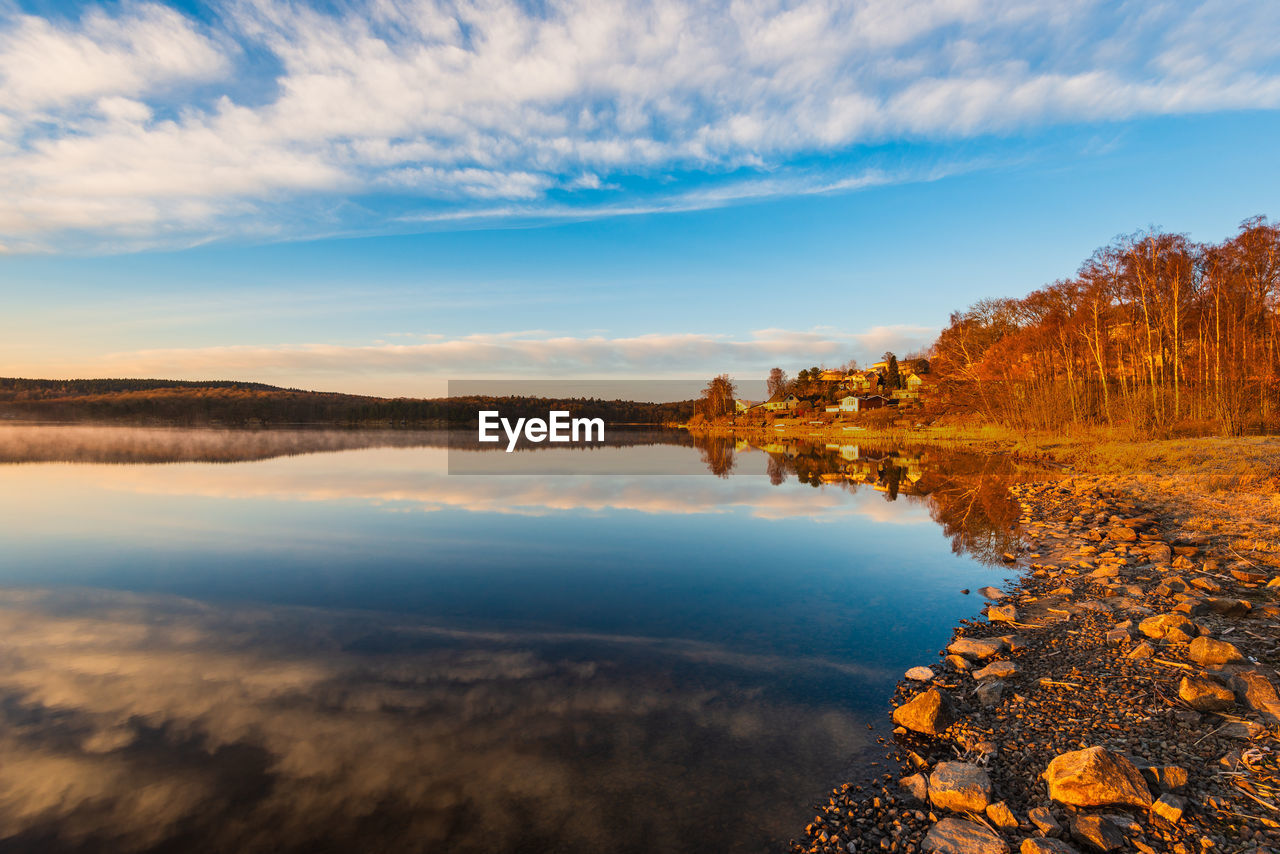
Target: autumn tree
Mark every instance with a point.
(777, 381)
(1153, 334)
(717, 398)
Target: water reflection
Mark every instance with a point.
(967, 494)
(333, 644)
(153, 723)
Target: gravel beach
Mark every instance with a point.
(1120, 697)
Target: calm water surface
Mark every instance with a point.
(324, 642)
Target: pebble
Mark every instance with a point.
(1097, 665)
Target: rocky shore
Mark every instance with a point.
(1120, 697)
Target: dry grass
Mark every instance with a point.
(1218, 463)
(1211, 464)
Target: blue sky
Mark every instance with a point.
(376, 197)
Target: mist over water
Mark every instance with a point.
(333, 644)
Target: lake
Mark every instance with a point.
(324, 641)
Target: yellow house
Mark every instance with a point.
(863, 381)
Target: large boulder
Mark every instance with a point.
(1207, 652)
(961, 836)
(1096, 777)
(1174, 627)
(928, 712)
(960, 787)
(1206, 693)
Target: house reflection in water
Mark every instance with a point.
(966, 493)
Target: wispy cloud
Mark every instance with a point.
(514, 355)
(133, 124)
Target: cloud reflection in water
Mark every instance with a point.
(156, 723)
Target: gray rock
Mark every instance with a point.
(997, 670)
(995, 594)
(1241, 729)
(1254, 689)
(916, 786)
(1001, 816)
(1097, 832)
(1174, 627)
(1222, 607)
(1171, 778)
(1044, 821)
(1169, 807)
(1141, 651)
(1045, 846)
(1002, 614)
(920, 674)
(1206, 693)
(976, 649)
(960, 787)
(1126, 823)
(990, 692)
(960, 836)
(1208, 652)
(1095, 777)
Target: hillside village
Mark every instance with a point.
(834, 395)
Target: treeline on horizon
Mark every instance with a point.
(240, 404)
(1154, 334)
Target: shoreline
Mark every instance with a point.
(1223, 462)
(1134, 652)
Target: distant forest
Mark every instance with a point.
(241, 404)
(1154, 334)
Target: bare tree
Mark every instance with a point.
(717, 398)
(777, 381)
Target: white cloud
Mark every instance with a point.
(512, 355)
(453, 105)
(146, 48)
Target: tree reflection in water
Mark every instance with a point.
(967, 494)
